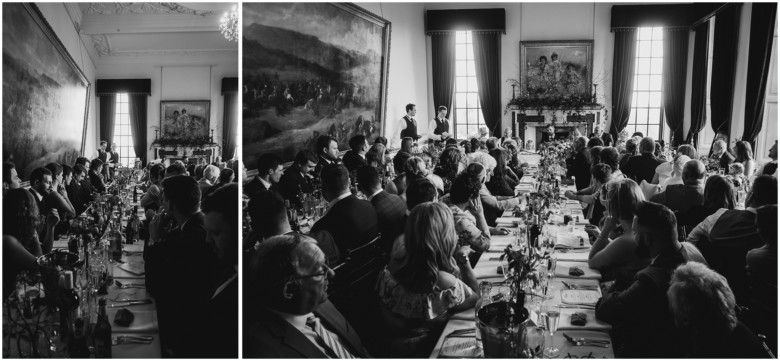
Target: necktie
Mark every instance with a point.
(329, 340)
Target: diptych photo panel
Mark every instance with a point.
(247, 179)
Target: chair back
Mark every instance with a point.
(359, 269)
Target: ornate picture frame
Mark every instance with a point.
(185, 118)
(561, 67)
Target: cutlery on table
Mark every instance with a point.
(118, 340)
(129, 285)
(581, 341)
(125, 303)
(575, 286)
(586, 307)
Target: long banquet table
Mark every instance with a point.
(487, 270)
(145, 322)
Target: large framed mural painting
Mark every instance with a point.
(185, 119)
(556, 68)
(45, 93)
(311, 69)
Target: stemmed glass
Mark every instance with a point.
(551, 318)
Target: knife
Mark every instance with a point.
(145, 301)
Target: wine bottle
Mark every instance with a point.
(535, 231)
(135, 194)
(133, 225)
(77, 347)
(102, 332)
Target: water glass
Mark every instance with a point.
(532, 342)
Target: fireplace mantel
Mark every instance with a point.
(525, 122)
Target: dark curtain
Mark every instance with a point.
(443, 51)
(229, 125)
(623, 63)
(137, 105)
(675, 68)
(762, 24)
(724, 64)
(487, 60)
(699, 82)
(107, 115)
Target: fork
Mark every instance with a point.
(129, 285)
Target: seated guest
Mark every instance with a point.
(177, 168)
(269, 172)
(768, 168)
(381, 140)
(40, 187)
(681, 197)
(721, 154)
(594, 154)
(514, 160)
(419, 294)
(718, 193)
(744, 156)
(448, 167)
(221, 221)
(58, 197)
(704, 311)
(356, 156)
(415, 168)
(601, 174)
(406, 145)
(493, 206)
(20, 223)
(420, 190)
(86, 183)
(77, 195)
(225, 177)
(10, 177)
(762, 261)
(665, 170)
(642, 167)
(96, 176)
(152, 199)
(578, 165)
(291, 316)
(610, 156)
(595, 141)
(398, 185)
(352, 222)
(177, 241)
(642, 324)
(297, 179)
(630, 151)
(607, 139)
(470, 225)
(16, 258)
(328, 153)
(209, 178)
(377, 158)
(617, 258)
(676, 176)
(499, 183)
(390, 209)
(198, 174)
(268, 215)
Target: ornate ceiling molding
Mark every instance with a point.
(142, 8)
(102, 47)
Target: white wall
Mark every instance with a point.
(548, 21)
(60, 21)
(186, 77)
(407, 65)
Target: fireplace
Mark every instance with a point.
(532, 125)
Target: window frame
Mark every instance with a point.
(464, 110)
(648, 82)
(124, 140)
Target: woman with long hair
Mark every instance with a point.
(664, 170)
(450, 164)
(375, 157)
(719, 193)
(498, 184)
(744, 154)
(432, 281)
(398, 185)
(616, 258)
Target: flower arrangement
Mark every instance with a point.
(553, 157)
(549, 97)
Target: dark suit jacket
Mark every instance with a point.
(293, 182)
(97, 181)
(178, 271)
(641, 321)
(641, 167)
(352, 222)
(86, 186)
(579, 168)
(256, 185)
(222, 323)
(266, 335)
(390, 211)
(77, 196)
(679, 197)
(353, 160)
(321, 164)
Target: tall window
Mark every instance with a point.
(468, 113)
(646, 104)
(123, 137)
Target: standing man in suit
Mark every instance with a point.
(390, 208)
(328, 152)
(642, 167)
(221, 221)
(409, 124)
(352, 222)
(180, 262)
(439, 126)
(642, 324)
(356, 156)
(297, 179)
(113, 161)
(269, 171)
(291, 317)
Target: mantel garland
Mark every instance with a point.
(552, 98)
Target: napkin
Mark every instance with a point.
(564, 323)
(509, 220)
(131, 270)
(145, 321)
(580, 297)
(131, 248)
(562, 270)
(572, 240)
(574, 255)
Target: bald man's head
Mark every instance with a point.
(693, 172)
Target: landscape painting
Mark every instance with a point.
(45, 93)
(185, 119)
(311, 69)
(555, 68)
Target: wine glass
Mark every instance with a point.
(533, 342)
(552, 317)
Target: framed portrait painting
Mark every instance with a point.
(45, 93)
(556, 68)
(185, 119)
(311, 69)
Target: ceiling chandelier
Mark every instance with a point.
(229, 25)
